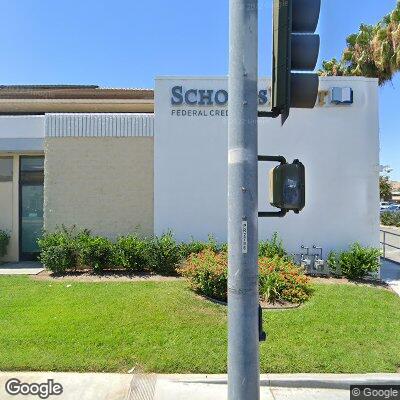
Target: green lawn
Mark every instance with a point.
(163, 327)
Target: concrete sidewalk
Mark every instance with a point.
(21, 268)
(390, 235)
(92, 386)
(390, 273)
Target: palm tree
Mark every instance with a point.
(374, 51)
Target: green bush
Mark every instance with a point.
(4, 241)
(356, 263)
(271, 248)
(130, 253)
(95, 252)
(197, 246)
(58, 250)
(69, 249)
(192, 247)
(207, 273)
(163, 254)
(390, 218)
(59, 259)
(280, 280)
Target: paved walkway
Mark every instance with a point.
(390, 273)
(390, 237)
(91, 386)
(21, 268)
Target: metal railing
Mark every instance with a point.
(384, 243)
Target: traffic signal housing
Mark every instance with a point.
(295, 48)
(287, 186)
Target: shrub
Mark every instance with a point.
(58, 250)
(280, 280)
(271, 248)
(130, 253)
(4, 241)
(356, 263)
(70, 249)
(163, 254)
(197, 246)
(390, 218)
(207, 273)
(95, 252)
(192, 247)
(59, 259)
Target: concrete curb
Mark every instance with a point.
(104, 386)
(310, 381)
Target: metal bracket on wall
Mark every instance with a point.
(269, 114)
(272, 214)
(279, 159)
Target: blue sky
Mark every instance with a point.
(126, 43)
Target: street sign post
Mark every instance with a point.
(295, 49)
(243, 298)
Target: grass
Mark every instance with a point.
(163, 327)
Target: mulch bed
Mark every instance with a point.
(345, 281)
(105, 276)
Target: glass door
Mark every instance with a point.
(31, 205)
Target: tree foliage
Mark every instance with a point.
(385, 188)
(374, 51)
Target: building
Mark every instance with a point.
(395, 191)
(117, 161)
(74, 155)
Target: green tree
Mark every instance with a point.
(385, 188)
(373, 52)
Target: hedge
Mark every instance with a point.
(71, 249)
(4, 241)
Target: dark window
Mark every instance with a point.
(31, 205)
(32, 164)
(32, 168)
(6, 169)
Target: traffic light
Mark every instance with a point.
(295, 48)
(287, 186)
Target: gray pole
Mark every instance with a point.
(243, 336)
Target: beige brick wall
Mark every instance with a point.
(104, 184)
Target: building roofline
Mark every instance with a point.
(73, 98)
(66, 92)
(22, 87)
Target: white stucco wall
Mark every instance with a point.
(339, 146)
(22, 133)
(22, 126)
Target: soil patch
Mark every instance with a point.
(106, 276)
(345, 281)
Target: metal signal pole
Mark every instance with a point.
(243, 298)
